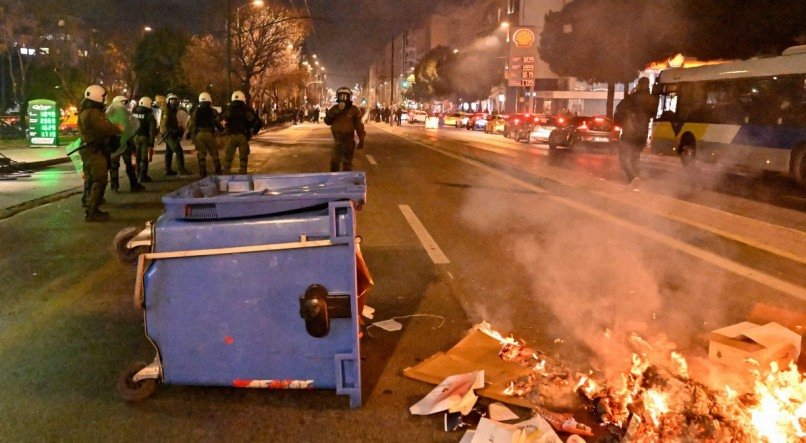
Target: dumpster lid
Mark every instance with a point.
(234, 196)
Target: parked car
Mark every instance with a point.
(496, 124)
(455, 119)
(586, 130)
(416, 116)
(11, 132)
(513, 121)
(543, 127)
(477, 121)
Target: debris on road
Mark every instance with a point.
(454, 393)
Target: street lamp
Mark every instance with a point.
(254, 3)
(147, 29)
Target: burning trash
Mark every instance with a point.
(653, 399)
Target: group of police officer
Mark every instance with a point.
(109, 134)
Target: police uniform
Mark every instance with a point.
(242, 123)
(172, 134)
(344, 123)
(144, 139)
(95, 132)
(202, 127)
(118, 113)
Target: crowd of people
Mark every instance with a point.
(385, 114)
(109, 134)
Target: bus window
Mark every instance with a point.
(691, 102)
(667, 103)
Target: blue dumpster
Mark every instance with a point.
(255, 281)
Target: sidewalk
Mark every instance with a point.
(35, 158)
(43, 185)
(53, 177)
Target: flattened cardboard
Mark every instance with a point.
(476, 351)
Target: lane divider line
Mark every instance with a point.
(371, 160)
(709, 257)
(431, 247)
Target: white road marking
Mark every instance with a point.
(371, 160)
(431, 247)
(715, 259)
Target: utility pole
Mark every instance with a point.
(229, 50)
(392, 75)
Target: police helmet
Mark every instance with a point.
(145, 102)
(205, 97)
(172, 97)
(95, 93)
(119, 99)
(344, 94)
(238, 96)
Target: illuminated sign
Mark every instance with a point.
(43, 123)
(523, 38)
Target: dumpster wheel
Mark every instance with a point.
(135, 391)
(122, 252)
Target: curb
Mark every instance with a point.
(43, 164)
(16, 209)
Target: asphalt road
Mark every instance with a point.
(544, 244)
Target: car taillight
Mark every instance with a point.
(583, 126)
(560, 121)
(517, 121)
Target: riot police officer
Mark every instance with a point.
(118, 113)
(202, 128)
(144, 137)
(95, 132)
(345, 122)
(241, 122)
(172, 132)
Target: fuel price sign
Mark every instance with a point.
(43, 123)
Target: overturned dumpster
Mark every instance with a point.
(253, 281)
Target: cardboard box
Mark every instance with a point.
(737, 344)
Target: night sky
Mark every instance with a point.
(346, 34)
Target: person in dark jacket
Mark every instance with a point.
(202, 129)
(96, 133)
(144, 137)
(345, 122)
(633, 115)
(172, 131)
(241, 123)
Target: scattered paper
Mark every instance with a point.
(534, 430)
(538, 430)
(455, 393)
(494, 432)
(368, 312)
(499, 412)
(468, 437)
(390, 325)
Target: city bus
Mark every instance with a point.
(746, 115)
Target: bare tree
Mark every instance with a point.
(204, 64)
(263, 39)
(20, 41)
